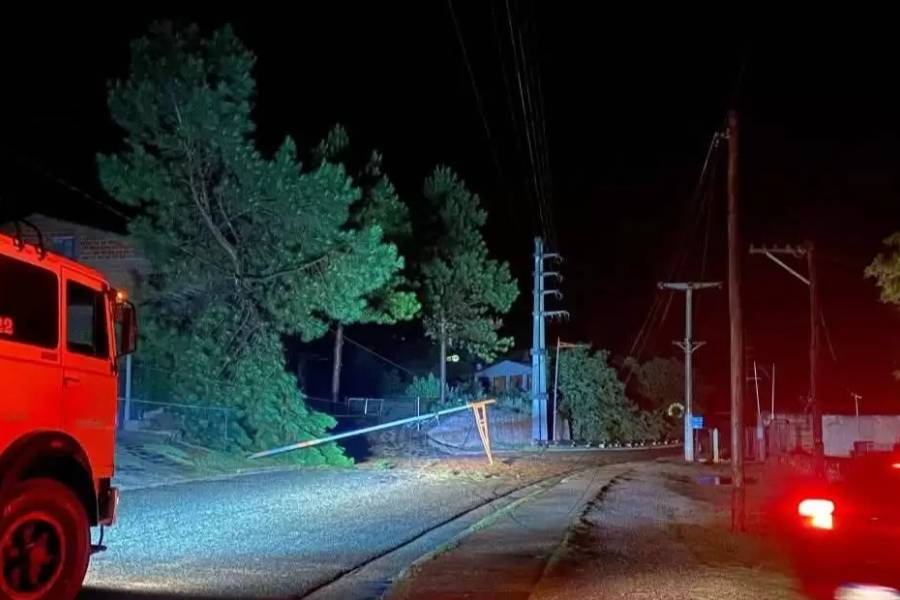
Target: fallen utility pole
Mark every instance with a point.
(736, 321)
(479, 408)
(811, 280)
(688, 346)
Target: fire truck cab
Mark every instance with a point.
(62, 331)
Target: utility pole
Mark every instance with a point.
(539, 415)
(555, 434)
(814, 320)
(760, 430)
(688, 346)
(772, 412)
(856, 398)
(736, 330)
(811, 280)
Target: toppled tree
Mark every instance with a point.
(594, 400)
(245, 248)
(464, 291)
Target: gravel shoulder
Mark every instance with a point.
(639, 530)
(656, 534)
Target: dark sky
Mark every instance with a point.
(628, 111)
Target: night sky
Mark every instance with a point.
(628, 109)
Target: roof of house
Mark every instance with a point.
(504, 367)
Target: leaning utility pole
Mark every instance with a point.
(539, 418)
(688, 346)
(737, 331)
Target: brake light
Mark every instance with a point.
(819, 513)
(896, 465)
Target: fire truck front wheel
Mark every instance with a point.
(44, 542)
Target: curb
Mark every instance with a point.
(531, 449)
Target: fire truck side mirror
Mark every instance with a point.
(126, 317)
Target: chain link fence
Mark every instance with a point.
(148, 405)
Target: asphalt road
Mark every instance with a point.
(272, 535)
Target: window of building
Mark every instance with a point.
(65, 245)
(86, 321)
(29, 310)
(517, 382)
(499, 384)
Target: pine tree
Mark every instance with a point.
(245, 248)
(379, 207)
(464, 291)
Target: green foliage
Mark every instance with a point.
(593, 399)
(391, 384)
(514, 400)
(885, 269)
(660, 381)
(464, 291)
(245, 248)
(379, 208)
(428, 387)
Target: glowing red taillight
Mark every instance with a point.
(818, 513)
(896, 465)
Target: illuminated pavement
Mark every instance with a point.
(272, 535)
(284, 534)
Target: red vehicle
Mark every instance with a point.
(62, 329)
(845, 536)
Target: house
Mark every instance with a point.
(505, 375)
(114, 255)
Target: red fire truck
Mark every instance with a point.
(62, 330)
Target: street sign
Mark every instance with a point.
(697, 422)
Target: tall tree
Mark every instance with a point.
(660, 382)
(594, 400)
(245, 248)
(885, 269)
(380, 207)
(464, 291)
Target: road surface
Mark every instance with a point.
(275, 535)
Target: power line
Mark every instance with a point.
(68, 185)
(478, 99)
(382, 357)
(532, 117)
(535, 175)
(652, 322)
(533, 79)
(512, 109)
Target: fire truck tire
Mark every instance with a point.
(44, 542)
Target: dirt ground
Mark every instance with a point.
(642, 530)
(659, 534)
